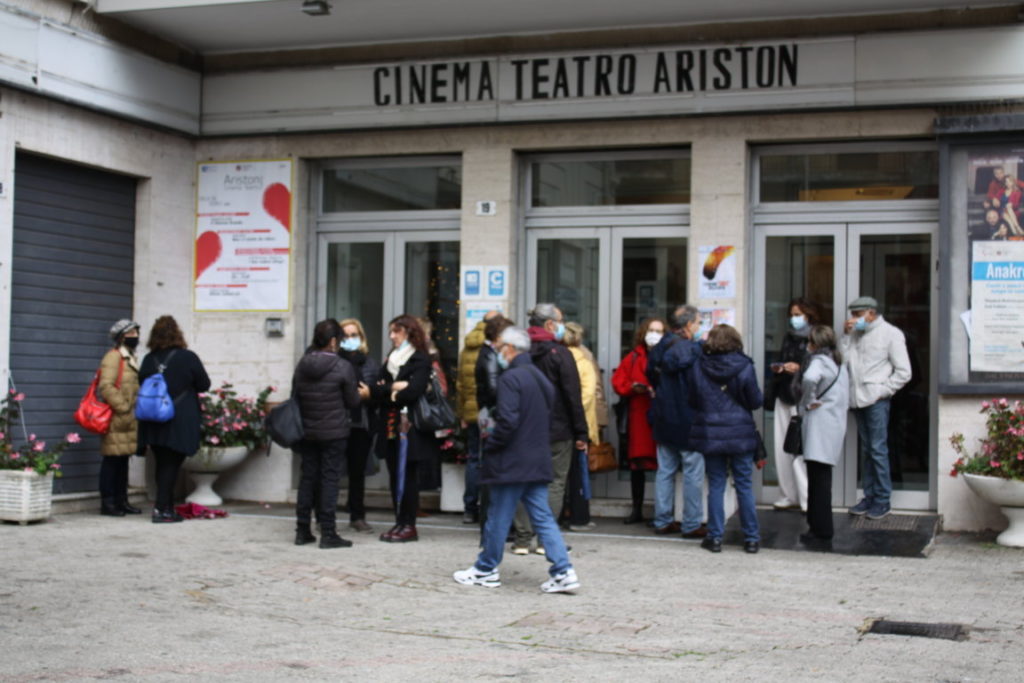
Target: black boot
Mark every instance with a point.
(303, 535)
(110, 508)
(636, 486)
(129, 509)
(331, 539)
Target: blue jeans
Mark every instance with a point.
(470, 498)
(501, 509)
(873, 449)
(743, 479)
(670, 461)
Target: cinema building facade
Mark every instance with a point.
(599, 170)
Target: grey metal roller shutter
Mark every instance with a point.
(73, 275)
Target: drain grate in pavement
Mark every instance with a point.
(918, 628)
(890, 523)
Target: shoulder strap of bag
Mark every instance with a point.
(839, 369)
(120, 373)
(160, 367)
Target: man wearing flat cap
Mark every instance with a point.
(876, 358)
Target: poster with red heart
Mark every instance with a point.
(243, 236)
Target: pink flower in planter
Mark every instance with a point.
(19, 397)
(15, 456)
(73, 437)
(55, 466)
(985, 405)
(29, 469)
(40, 446)
(214, 440)
(994, 463)
(31, 437)
(2, 435)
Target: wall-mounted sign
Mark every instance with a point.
(243, 236)
(832, 72)
(718, 272)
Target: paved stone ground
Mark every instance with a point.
(84, 597)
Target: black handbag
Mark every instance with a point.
(432, 412)
(284, 423)
(794, 441)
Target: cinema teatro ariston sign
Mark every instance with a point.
(648, 82)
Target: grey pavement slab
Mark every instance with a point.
(84, 597)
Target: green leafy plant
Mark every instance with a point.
(232, 420)
(33, 455)
(1002, 451)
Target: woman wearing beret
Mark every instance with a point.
(118, 387)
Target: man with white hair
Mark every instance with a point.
(516, 466)
(877, 360)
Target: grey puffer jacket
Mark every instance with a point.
(327, 390)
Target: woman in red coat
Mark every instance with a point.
(630, 382)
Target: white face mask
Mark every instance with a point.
(652, 337)
(798, 322)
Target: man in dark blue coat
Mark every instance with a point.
(516, 466)
(670, 420)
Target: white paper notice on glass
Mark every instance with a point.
(718, 272)
(997, 307)
(243, 236)
(709, 317)
(476, 310)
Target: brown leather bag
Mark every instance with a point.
(601, 458)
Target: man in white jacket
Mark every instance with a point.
(876, 358)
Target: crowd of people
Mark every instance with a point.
(530, 401)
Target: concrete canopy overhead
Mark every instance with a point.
(226, 26)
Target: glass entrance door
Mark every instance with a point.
(375, 276)
(833, 264)
(608, 279)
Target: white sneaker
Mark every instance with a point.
(475, 577)
(783, 504)
(520, 550)
(561, 583)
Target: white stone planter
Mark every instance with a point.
(1008, 494)
(208, 464)
(25, 496)
(453, 486)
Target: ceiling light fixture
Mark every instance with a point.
(316, 8)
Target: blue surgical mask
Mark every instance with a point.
(559, 332)
(798, 322)
(350, 344)
(502, 361)
(698, 334)
(861, 324)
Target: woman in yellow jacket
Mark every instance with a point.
(579, 506)
(118, 387)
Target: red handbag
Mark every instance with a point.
(93, 414)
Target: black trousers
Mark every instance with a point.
(168, 464)
(114, 478)
(410, 503)
(579, 507)
(819, 499)
(357, 452)
(318, 482)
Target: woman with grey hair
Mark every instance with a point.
(118, 387)
(825, 394)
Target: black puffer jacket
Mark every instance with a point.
(784, 385)
(186, 378)
(327, 389)
(487, 372)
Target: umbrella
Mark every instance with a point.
(584, 474)
(403, 456)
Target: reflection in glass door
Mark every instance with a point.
(833, 264)
(895, 267)
(355, 286)
(569, 274)
(432, 291)
(798, 265)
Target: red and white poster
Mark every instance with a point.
(243, 235)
